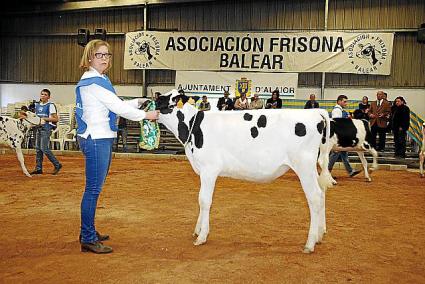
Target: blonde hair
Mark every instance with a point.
(89, 52)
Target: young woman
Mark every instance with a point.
(97, 106)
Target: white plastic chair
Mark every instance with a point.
(70, 138)
(58, 135)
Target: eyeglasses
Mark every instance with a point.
(99, 55)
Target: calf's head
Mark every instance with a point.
(167, 102)
(29, 119)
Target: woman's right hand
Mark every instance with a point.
(152, 115)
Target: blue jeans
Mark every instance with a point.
(98, 154)
(344, 157)
(42, 147)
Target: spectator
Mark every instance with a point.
(225, 103)
(256, 102)
(312, 103)
(205, 104)
(339, 112)
(47, 111)
(363, 110)
(123, 133)
(379, 114)
(400, 124)
(274, 101)
(156, 96)
(241, 103)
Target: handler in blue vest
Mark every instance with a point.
(97, 106)
(339, 112)
(47, 111)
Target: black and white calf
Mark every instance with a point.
(353, 135)
(253, 145)
(12, 133)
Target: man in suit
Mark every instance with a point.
(225, 103)
(379, 115)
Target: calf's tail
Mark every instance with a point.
(325, 177)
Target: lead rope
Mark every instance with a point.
(190, 132)
(39, 122)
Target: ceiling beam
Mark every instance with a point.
(60, 6)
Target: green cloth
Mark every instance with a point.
(149, 131)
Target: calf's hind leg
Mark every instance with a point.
(315, 201)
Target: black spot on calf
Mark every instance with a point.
(254, 132)
(300, 129)
(262, 121)
(182, 128)
(320, 126)
(345, 131)
(247, 117)
(196, 130)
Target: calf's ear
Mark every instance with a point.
(22, 114)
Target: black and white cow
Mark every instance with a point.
(353, 135)
(253, 145)
(12, 133)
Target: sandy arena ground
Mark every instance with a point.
(257, 231)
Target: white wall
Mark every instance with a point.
(65, 94)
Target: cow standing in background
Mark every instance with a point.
(12, 133)
(220, 144)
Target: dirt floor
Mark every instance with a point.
(257, 231)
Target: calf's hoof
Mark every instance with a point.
(307, 250)
(368, 180)
(199, 242)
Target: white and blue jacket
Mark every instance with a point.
(97, 106)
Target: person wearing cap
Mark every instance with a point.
(225, 103)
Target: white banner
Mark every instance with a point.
(340, 52)
(213, 84)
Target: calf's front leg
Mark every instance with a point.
(18, 151)
(202, 228)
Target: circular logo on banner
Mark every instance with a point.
(143, 49)
(367, 53)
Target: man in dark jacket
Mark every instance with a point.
(312, 103)
(400, 124)
(225, 103)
